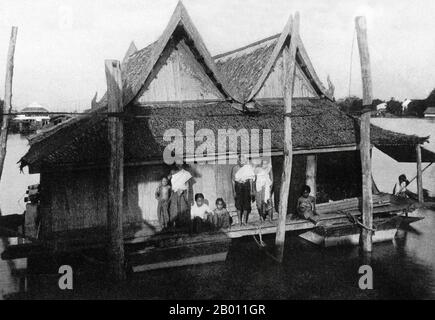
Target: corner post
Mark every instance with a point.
(289, 56)
(7, 107)
(116, 171)
(419, 175)
(366, 166)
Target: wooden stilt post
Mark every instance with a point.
(367, 205)
(289, 55)
(419, 175)
(311, 172)
(7, 106)
(116, 175)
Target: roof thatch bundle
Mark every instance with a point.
(316, 124)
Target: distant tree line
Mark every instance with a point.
(353, 104)
(394, 107)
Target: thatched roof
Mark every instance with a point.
(316, 123)
(247, 68)
(141, 66)
(242, 68)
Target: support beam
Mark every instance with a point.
(311, 173)
(289, 56)
(366, 166)
(419, 175)
(7, 106)
(116, 172)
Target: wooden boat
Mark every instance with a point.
(348, 233)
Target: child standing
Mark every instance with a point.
(163, 194)
(221, 217)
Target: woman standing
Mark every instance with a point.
(263, 189)
(179, 208)
(242, 177)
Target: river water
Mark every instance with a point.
(402, 269)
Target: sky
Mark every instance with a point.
(62, 45)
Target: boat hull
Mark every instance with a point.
(348, 234)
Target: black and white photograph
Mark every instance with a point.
(222, 152)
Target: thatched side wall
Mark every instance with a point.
(78, 199)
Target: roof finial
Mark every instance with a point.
(131, 49)
(180, 9)
(331, 87)
(94, 100)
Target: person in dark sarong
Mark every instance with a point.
(242, 176)
(163, 194)
(179, 207)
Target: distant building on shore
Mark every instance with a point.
(429, 112)
(32, 118)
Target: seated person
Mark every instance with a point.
(220, 217)
(400, 187)
(198, 213)
(306, 206)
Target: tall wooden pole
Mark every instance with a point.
(116, 175)
(419, 175)
(289, 56)
(366, 166)
(7, 106)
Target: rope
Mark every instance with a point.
(261, 242)
(263, 245)
(355, 221)
(170, 116)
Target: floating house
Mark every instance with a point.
(175, 84)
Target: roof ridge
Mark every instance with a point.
(253, 44)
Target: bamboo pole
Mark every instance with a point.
(367, 202)
(7, 106)
(419, 175)
(289, 55)
(116, 175)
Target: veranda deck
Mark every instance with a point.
(146, 238)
